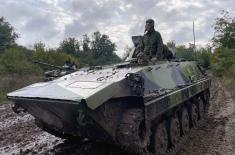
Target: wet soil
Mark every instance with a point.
(215, 136)
(20, 136)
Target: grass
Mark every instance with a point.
(229, 80)
(13, 82)
(2, 98)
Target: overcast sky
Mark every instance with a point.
(50, 21)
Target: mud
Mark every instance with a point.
(215, 136)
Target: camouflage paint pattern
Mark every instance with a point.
(90, 102)
(164, 85)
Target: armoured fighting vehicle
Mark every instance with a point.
(142, 108)
(57, 71)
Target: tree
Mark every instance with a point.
(86, 43)
(171, 44)
(183, 52)
(101, 45)
(103, 49)
(203, 55)
(224, 31)
(7, 34)
(223, 62)
(16, 60)
(70, 46)
(39, 47)
(223, 58)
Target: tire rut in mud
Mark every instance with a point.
(216, 135)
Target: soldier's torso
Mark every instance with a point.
(150, 43)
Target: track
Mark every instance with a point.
(214, 135)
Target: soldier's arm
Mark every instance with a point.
(159, 53)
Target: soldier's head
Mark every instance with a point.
(149, 26)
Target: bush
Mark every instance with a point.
(223, 62)
(53, 57)
(19, 60)
(10, 82)
(204, 57)
(15, 60)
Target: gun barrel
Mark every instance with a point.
(47, 64)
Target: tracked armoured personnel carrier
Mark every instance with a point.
(57, 71)
(143, 108)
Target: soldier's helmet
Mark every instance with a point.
(150, 21)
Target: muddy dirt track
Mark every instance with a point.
(215, 136)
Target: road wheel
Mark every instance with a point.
(194, 115)
(131, 132)
(160, 139)
(201, 108)
(185, 122)
(206, 98)
(175, 131)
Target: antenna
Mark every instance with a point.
(194, 46)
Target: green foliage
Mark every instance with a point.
(171, 44)
(2, 97)
(39, 47)
(70, 46)
(16, 60)
(12, 81)
(223, 58)
(97, 50)
(53, 57)
(103, 49)
(19, 60)
(187, 53)
(86, 43)
(223, 62)
(7, 35)
(204, 57)
(224, 31)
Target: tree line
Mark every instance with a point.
(218, 57)
(89, 51)
(99, 50)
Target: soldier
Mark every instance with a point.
(67, 64)
(73, 66)
(153, 45)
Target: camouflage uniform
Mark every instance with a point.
(153, 45)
